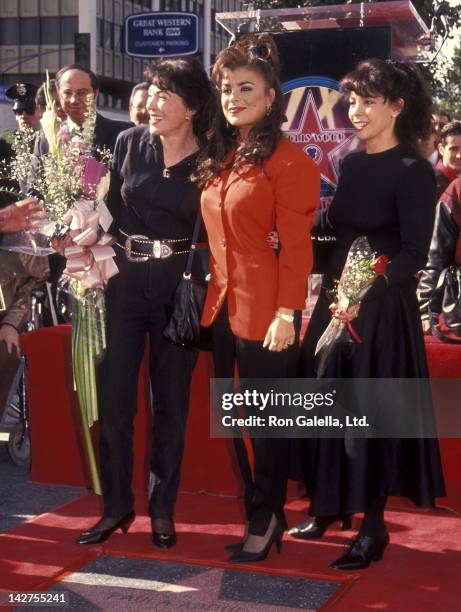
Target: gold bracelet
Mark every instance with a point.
(285, 317)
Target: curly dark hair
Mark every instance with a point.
(186, 77)
(259, 53)
(395, 80)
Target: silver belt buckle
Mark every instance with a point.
(129, 256)
(161, 251)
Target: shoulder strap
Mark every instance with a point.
(193, 246)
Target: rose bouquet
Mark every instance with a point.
(360, 270)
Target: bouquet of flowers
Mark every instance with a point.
(72, 180)
(360, 270)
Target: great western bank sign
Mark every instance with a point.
(161, 34)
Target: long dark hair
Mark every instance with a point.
(186, 77)
(394, 80)
(257, 52)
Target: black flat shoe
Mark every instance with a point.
(105, 528)
(315, 527)
(362, 552)
(242, 556)
(163, 537)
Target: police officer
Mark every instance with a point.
(19, 273)
(24, 106)
(28, 115)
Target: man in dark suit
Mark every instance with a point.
(74, 85)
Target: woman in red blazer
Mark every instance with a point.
(255, 181)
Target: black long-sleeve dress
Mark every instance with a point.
(388, 197)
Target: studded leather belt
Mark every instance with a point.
(140, 248)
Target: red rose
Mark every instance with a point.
(380, 264)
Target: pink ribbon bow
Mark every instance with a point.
(89, 260)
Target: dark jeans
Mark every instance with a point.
(265, 490)
(137, 308)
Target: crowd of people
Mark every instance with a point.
(214, 151)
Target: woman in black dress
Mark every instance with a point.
(386, 193)
(155, 206)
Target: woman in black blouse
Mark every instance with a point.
(386, 193)
(154, 205)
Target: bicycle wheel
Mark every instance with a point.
(19, 446)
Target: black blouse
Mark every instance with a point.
(390, 198)
(144, 202)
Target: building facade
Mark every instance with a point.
(43, 31)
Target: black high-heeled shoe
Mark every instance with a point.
(242, 556)
(105, 528)
(362, 551)
(315, 527)
(163, 539)
(234, 546)
(237, 546)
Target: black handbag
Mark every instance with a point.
(449, 290)
(183, 327)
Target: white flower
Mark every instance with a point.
(103, 187)
(48, 122)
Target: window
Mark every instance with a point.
(99, 33)
(172, 5)
(117, 38)
(69, 27)
(9, 31)
(49, 30)
(30, 31)
(108, 35)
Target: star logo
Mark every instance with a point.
(326, 145)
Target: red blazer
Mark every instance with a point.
(240, 209)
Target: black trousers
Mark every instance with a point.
(137, 302)
(265, 488)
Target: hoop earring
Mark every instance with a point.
(268, 111)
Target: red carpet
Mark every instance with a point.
(420, 570)
(57, 443)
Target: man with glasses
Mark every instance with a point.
(138, 104)
(75, 84)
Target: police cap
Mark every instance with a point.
(23, 96)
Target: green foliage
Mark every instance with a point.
(449, 95)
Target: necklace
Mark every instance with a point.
(166, 173)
